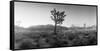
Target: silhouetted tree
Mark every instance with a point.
(57, 17)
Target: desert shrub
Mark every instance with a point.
(86, 38)
(92, 39)
(71, 36)
(28, 43)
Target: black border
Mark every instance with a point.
(12, 21)
(11, 25)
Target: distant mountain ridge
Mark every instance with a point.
(46, 27)
(39, 28)
(19, 29)
(50, 28)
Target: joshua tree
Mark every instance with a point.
(57, 17)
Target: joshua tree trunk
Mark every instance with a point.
(55, 28)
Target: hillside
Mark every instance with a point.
(51, 28)
(45, 28)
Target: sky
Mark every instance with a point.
(32, 14)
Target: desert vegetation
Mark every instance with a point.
(46, 39)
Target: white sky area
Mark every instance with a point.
(31, 14)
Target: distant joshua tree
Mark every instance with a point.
(57, 17)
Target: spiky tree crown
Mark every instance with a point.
(57, 16)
